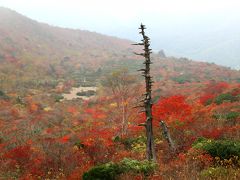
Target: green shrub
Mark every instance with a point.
(182, 79)
(20, 100)
(131, 143)
(86, 93)
(79, 144)
(218, 116)
(225, 97)
(232, 115)
(3, 95)
(137, 144)
(117, 139)
(208, 102)
(58, 97)
(228, 116)
(110, 171)
(135, 166)
(223, 149)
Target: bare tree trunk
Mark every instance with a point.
(124, 118)
(167, 136)
(150, 148)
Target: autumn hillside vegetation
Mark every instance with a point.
(43, 135)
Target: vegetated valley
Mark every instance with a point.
(67, 101)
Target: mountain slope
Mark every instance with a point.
(25, 36)
(32, 52)
(38, 56)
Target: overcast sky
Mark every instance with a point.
(169, 22)
(113, 16)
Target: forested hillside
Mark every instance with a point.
(31, 52)
(67, 101)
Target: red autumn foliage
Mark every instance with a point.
(19, 154)
(207, 98)
(72, 110)
(33, 107)
(64, 139)
(212, 133)
(172, 109)
(76, 138)
(236, 91)
(96, 113)
(216, 87)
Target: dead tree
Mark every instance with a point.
(167, 136)
(147, 101)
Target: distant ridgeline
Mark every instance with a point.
(38, 56)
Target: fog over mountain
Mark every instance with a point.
(220, 45)
(200, 30)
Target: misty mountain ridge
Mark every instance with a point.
(220, 45)
(23, 40)
(22, 37)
